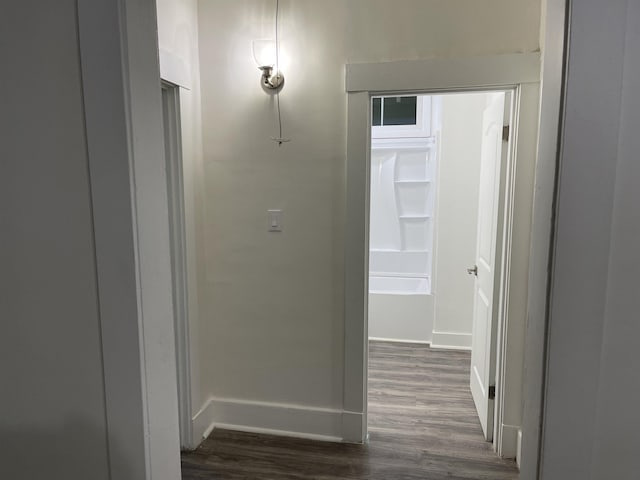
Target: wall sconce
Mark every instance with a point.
(265, 53)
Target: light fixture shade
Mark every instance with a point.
(264, 52)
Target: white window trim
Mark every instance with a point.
(421, 129)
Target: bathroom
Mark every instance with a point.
(425, 182)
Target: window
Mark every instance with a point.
(394, 111)
(401, 116)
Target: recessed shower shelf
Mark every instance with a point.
(419, 182)
(414, 217)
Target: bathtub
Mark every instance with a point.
(397, 285)
(401, 307)
(402, 316)
(399, 272)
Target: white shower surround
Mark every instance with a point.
(400, 308)
(402, 203)
(403, 163)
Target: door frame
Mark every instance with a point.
(517, 72)
(177, 235)
(125, 145)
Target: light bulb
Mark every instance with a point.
(264, 52)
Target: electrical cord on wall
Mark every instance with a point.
(280, 139)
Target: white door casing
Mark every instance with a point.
(125, 143)
(517, 72)
(483, 349)
(177, 238)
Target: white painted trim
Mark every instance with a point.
(504, 254)
(356, 345)
(174, 70)
(509, 435)
(273, 418)
(519, 448)
(151, 220)
(398, 340)
(451, 340)
(508, 72)
(202, 423)
(422, 129)
(553, 65)
(354, 427)
(443, 73)
(123, 118)
(177, 233)
(107, 116)
(515, 259)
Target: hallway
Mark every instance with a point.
(422, 425)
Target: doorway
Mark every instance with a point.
(518, 75)
(435, 240)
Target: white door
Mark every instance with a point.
(483, 347)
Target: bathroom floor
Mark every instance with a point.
(422, 425)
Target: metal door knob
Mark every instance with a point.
(473, 270)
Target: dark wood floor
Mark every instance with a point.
(422, 425)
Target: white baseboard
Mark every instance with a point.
(519, 448)
(201, 423)
(353, 427)
(509, 437)
(451, 340)
(272, 418)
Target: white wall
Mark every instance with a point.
(180, 64)
(457, 217)
(52, 407)
(617, 440)
(593, 387)
(82, 275)
(617, 437)
(273, 303)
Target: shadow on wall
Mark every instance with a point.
(75, 451)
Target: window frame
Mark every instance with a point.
(422, 127)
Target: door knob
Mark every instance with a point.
(473, 270)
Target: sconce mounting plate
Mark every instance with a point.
(271, 80)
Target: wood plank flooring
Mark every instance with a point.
(422, 425)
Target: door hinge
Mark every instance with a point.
(492, 392)
(506, 130)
